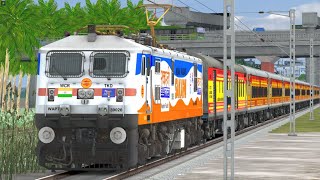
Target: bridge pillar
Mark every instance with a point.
(267, 66)
(316, 65)
(267, 62)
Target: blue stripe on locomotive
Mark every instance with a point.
(181, 68)
(38, 68)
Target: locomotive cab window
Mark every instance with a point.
(148, 63)
(143, 66)
(65, 64)
(157, 66)
(109, 64)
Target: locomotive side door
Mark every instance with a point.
(147, 73)
(157, 80)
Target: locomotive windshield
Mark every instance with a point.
(109, 64)
(65, 64)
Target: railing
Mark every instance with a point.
(216, 36)
(179, 37)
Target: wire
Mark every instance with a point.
(212, 15)
(258, 36)
(188, 6)
(206, 6)
(193, 20)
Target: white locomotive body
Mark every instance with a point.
(99, 100)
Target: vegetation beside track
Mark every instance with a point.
(303, 124)
(18, 139)
(20, 38)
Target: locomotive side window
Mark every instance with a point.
(143, 66)
(172, 72)
(148, 66)
(65, 64)
(195, 83)
(109, 64)
(157, 66)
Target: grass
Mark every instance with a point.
(18, 140)
(303, 124)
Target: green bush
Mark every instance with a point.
(18, 140)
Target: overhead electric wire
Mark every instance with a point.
(192, 19)
(200, 11)
(261, 38)
(258, 36)
(221, 36)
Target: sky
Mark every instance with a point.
(246, 10)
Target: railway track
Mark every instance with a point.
(158, 162)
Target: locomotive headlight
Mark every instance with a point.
(65, 110)
(46, 135)
(85, 93)
(118, 135)
(120, 93)
(51, 94)
(81, 93)
(89, 93)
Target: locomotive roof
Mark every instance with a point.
(212, 62)
(107, 42)
(103, 42)
(176, 54)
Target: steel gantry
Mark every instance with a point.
(229, 88)
(292, 15)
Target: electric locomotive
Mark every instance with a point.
(106, 102)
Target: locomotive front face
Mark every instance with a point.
(86, 108)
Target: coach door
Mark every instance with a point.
(215, 93)
(236, 84)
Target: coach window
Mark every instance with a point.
(222, 86)
(243, 88)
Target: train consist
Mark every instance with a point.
(106, 102)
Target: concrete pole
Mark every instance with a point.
(292, 15)
(229, 91)
(311, 66)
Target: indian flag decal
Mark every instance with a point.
(64, 92)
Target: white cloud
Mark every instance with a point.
(277, 22)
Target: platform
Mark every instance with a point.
(273, 156)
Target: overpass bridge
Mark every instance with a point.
(248, 44)
(267, 46)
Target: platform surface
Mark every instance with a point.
(270, 157)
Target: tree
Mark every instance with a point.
(75, 17)
(137, 15)
(18, 38)
(51, 20)
(302, 77)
